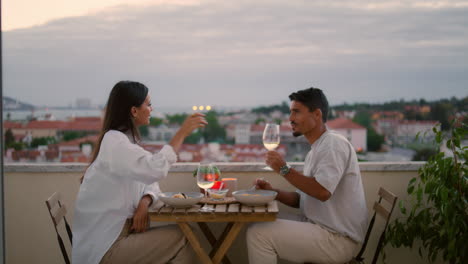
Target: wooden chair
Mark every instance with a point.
(57, 212)
(385, 214)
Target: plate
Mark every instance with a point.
(192, 199)
(254, 197)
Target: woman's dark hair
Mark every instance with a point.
(312, 98)
(117, 116)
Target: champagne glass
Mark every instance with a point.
(271, 138)
(205, 180)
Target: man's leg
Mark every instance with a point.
(298, 242)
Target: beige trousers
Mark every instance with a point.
(164, 244)
(297, 241)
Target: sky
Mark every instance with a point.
(235, 53)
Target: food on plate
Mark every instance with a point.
(180, 195)
(217, 193)
(251, 194)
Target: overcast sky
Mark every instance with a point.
(235, 53)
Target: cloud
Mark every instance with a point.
(245, 53)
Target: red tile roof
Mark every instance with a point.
(93, 124)
(343, 123)
(45, 124)
(11, 125)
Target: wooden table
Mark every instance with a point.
(235, 215)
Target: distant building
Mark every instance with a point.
(386, 127)
(425, 109)
(407, 130)
(344, 114)
(355, 133)
(248, 134)
(162, 133)
(388, 115)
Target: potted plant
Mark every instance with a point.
(437, 211)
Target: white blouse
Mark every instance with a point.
(113, 185)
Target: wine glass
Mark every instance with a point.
(271, 138)
(205, 180)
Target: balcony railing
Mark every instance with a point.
(30, 236)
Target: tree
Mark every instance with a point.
(260, 121)
(9, 138)
(213, 131)
(363, 118)
(374, 140)
(193, 138)
(155, 121)
(42, 141)
(176, 118)
(70, 135)
(144, 131)
(442, 112)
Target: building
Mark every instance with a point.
(162, 133)
(355, 133)
(391, 115)
(407, 130)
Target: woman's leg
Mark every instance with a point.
(165, 244)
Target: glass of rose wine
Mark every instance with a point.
(271, 138)
(205, 179)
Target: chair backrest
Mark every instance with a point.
(57, 211)
(385, 214)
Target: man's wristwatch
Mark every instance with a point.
(284, 170)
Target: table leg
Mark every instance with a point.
(236, 228)
(212, 239)
(194, 242)
(221, 239)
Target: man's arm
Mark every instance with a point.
(306, 184)
(288, 198)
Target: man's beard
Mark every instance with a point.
(297, 134)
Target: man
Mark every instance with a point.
(330, 194)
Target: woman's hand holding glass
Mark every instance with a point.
(192, 122)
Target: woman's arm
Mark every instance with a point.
(192, 122)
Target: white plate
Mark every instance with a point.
(254, 197)
(192, 199)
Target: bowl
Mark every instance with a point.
(217, 194)
(176, 200)
(254, 197)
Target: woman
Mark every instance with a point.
(111, 213)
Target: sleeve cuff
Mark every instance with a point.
(169, 153)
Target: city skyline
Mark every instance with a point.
(238, 54)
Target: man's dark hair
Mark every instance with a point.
(313, 98)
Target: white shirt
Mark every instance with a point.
(333, 162)
(113, 185)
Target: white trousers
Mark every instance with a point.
(297, 241)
